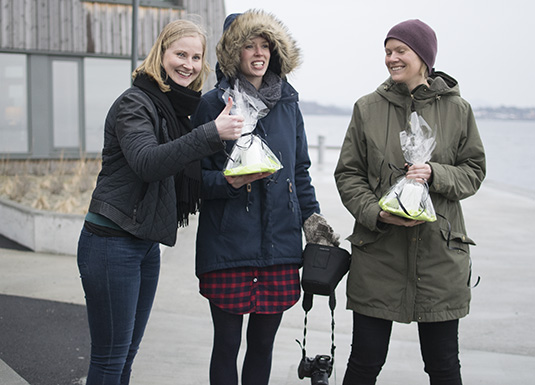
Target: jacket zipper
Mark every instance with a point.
(290, 191)
(249, 188)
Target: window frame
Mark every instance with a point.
(27, 106)
(80, 146)
(175, 4)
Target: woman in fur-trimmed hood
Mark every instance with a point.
(249, 240)
(285, 54)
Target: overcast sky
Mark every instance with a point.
(487, 45)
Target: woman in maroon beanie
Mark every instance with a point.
(404, 269)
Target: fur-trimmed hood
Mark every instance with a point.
(239, 28)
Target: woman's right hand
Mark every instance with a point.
(229, 126)
(395, 220)
(241, 180)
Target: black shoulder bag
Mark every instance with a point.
(323, 268)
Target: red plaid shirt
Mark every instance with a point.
(266, 290)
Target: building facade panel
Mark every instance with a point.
(40, 37)
(77, 26)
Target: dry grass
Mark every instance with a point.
(63, 186)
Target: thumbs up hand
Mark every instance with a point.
(229, 126)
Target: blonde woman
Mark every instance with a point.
(149, 184)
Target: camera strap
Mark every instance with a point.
(307, 305)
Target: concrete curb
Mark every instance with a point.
(39, 230)
(9, 376)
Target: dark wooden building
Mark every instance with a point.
(63, 62)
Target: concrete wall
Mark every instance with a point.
(41, 231)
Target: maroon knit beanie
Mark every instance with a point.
(419, 37)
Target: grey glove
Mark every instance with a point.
(318, 231)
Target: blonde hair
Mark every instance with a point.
(175, 30)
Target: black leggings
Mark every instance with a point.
(439, 346)
(261, 331)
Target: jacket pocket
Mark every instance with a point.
(375, 173)
(363, 236)
(138, 214)
(293, 204)
(236, 216)
(456, 241)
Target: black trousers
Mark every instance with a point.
(261, 331)
(439, 345)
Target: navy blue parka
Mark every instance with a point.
(258, 224)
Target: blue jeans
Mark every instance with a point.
(119, 277)
(439, 346)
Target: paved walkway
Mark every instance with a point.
(497, 338)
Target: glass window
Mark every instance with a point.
(105, 80)
(13, 104)
(65, 99)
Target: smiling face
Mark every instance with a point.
(404, 65)
(182, 60)
(254, 60)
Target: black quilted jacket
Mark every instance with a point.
(135, 188)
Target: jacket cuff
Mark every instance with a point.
(437, 174)
(373, 222)
(212, 136)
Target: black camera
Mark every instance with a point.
(318, 369)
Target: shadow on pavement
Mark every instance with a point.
(6, 243)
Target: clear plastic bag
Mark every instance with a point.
(408, 197)
(250, 154)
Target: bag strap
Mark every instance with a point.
(307, 305)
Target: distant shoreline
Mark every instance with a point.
(505, 113)
(495, 113)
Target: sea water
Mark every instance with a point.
(508, 146)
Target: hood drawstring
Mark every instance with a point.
(413, 106)
(260, 127)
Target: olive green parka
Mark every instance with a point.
(420, 273)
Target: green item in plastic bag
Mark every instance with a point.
(250, 169)
(250, 154)
(409, 199)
